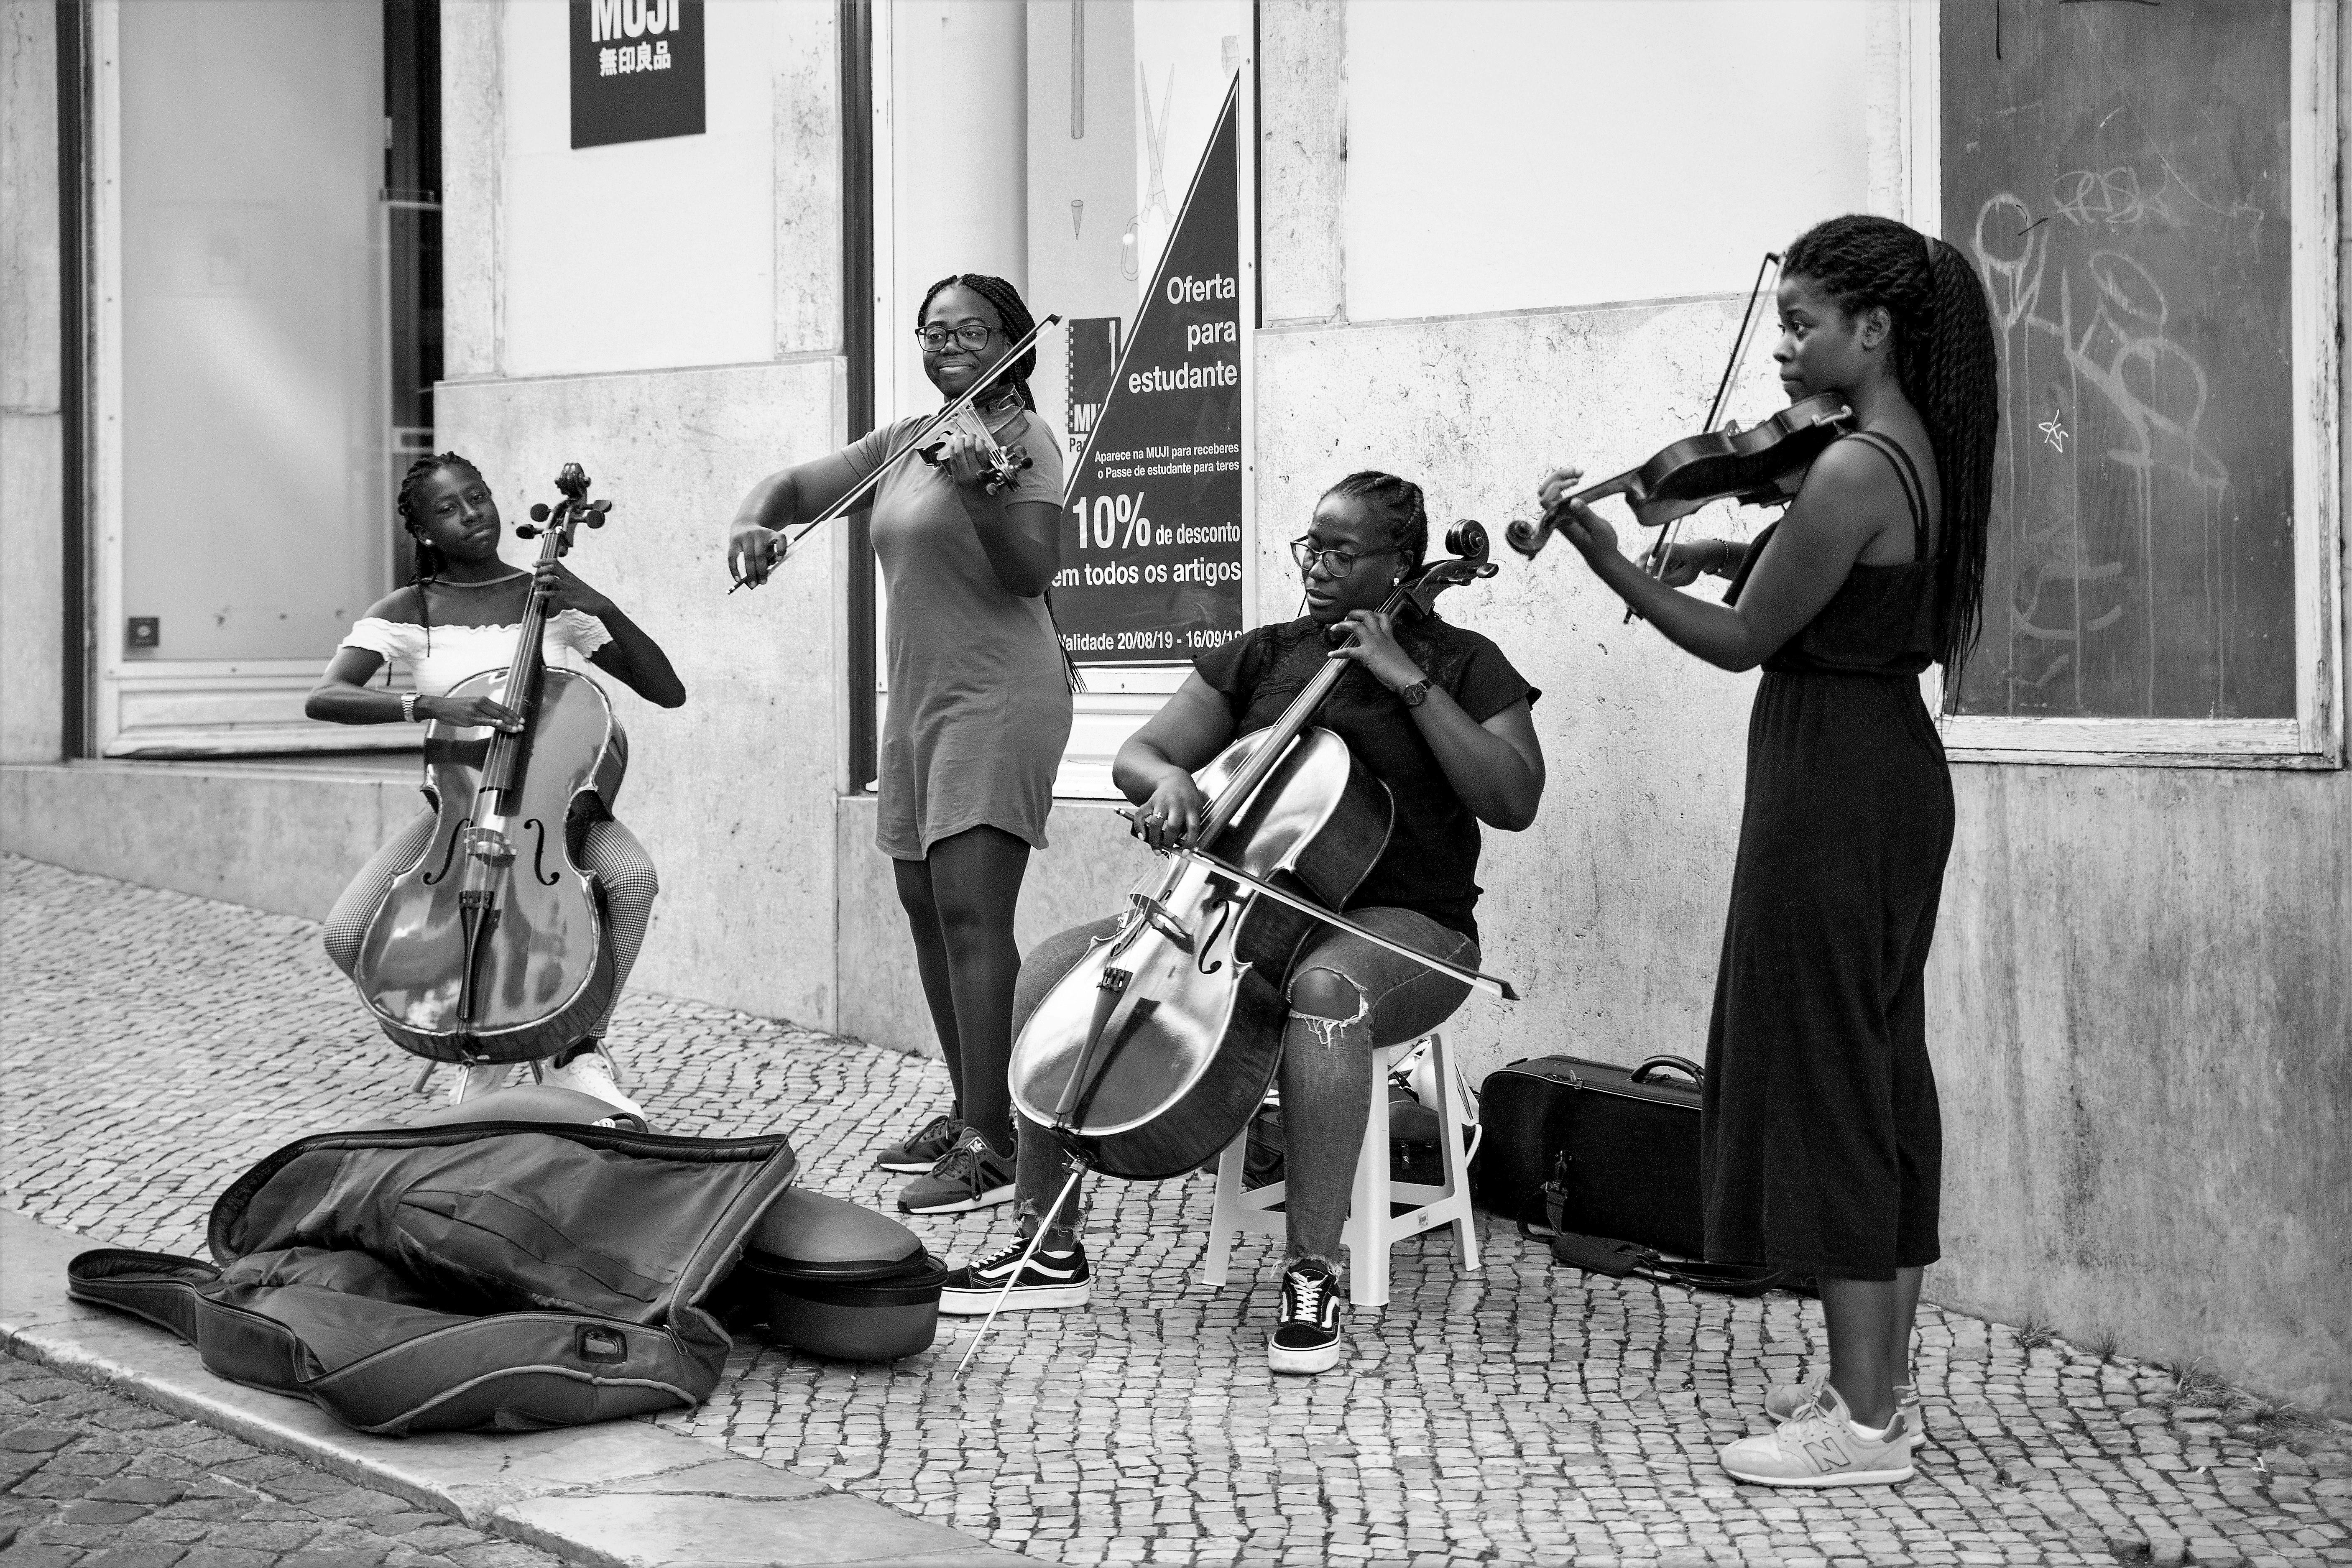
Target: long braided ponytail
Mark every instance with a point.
(428, 560)
(1012, 314)
(1947, 365)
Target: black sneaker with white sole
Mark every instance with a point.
(1051, 1280)
(1307, 1337)
(920, 1151)
(971, 1176)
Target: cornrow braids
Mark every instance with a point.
(1946, 364)
(428, 560)
(1012, 315)
(1398, 505)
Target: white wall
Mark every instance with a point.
(1502, 154)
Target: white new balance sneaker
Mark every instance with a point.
(1819, 1446)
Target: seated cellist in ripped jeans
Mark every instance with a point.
(1438, 715)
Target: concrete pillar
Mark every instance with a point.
(32, 453)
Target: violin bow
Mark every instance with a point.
(989, 378)
(1657, 562)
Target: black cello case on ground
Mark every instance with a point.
(1621, 1144)
(503, 1275)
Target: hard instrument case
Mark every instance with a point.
(1622, 1142)
(831, 1277)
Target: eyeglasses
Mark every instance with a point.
(967, 334)
(1335, 562)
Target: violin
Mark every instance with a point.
(1760, 466)
(1154, 1051)
(491, 947)
(931, 442)
(999, 462)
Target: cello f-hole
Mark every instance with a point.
(451, 854)
(539, 854)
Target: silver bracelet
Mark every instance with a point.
(408, 707)
(1723, 566)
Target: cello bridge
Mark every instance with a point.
(488, 846)
(1155, 914)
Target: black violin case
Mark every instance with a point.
(1619, 1147)
(832, 1279)
(507, 1275)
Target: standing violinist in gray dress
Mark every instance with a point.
(979, 707)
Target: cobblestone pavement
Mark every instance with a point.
(157, 1044)
(94, 1481)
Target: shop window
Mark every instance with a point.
(1063, 159)
(265, 223)
(2148, 194)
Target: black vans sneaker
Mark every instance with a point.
(1306, 1339)
(971, 1176)
(919, 1152)
(1052, 1280)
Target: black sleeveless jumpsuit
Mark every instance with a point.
(1822, 1143)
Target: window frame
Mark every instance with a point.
(165, 708)
(2315, 737)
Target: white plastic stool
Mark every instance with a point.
(1372, 1228)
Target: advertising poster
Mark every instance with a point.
(1149, 122)
(636, 70)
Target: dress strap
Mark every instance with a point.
(1906, 474)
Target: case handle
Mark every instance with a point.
(1680, 1064)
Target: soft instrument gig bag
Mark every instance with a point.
(506, 1275)
(1621, 1146)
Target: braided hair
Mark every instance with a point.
(1397, 504)
(1012, 315)
(1946, 362)
(428, 560)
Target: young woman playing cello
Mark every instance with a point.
(979, 708)
(459, 617)
(1438, 715)
(1823, 1146)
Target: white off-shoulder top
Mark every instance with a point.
(453, 653)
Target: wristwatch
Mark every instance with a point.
(1416, 694)
(408, 707)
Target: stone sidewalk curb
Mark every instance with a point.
(620, 1494)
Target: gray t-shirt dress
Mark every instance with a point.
(979, 706)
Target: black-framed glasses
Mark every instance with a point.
(1335, 562)
(966, 334)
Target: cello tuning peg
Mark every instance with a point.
(595, 520)
(525, 531)
(538, 513)
(599, 506)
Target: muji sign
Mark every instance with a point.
(636, 70)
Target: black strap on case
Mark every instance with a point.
(1601, 1255)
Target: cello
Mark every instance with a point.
(491, 947)
(1153, 1052)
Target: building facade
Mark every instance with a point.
(1470, 241)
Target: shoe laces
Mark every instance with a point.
(962, 1163)
(931, 1128)
(1306, 1289)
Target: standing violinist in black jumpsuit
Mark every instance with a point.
(1821, 1143)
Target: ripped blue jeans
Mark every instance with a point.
(1347, 997)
